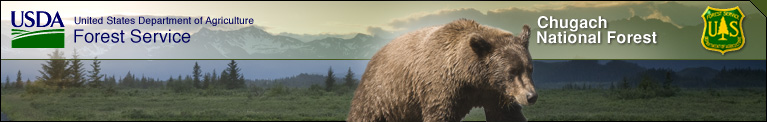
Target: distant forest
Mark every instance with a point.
(614, 71)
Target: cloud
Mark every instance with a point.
(378, 31)
(585, 4)
(313, 37)
(656, 14)
(600, 4)
(573, 5)
(445, 15)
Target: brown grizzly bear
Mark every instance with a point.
(438, 74)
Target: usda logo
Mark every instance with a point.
(48, 38)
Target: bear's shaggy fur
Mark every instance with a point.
(438, 74)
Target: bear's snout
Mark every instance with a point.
(532, 98)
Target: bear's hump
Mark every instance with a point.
(462, 25)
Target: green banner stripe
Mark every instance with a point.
(41, 31)
(43, 40)
(19, 30)
(365, 59)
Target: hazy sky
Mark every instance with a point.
(303, 17)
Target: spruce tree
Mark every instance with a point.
(144, 82)
(224, 79)
(95, 76)
(180, 80)
(19, 83)
(206, 81)
(349, 78)
(127, 81)
(76, 71)
(29, 83)
(7, 82)
(112, 81)
(330, 80)
(55, 72)
(196, 73)
(170, 83)
(214, 80)
(233, 77)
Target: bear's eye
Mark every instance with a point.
(516, 70)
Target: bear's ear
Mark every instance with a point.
(480, 46)
(524, 37)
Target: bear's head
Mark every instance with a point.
(507, 60)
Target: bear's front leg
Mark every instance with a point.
(504, 113)
(441, 107)
(441, 115)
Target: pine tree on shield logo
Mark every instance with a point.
(723, 30)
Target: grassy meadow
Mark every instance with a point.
(687, 105)
(308, 105)
(165, 105)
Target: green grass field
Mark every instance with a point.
(166, 105)
(300, 104)
(688, 105)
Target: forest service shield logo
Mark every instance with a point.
(723, 30)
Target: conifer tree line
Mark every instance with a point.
(349, 81)
(17, 84)
(62, 73)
